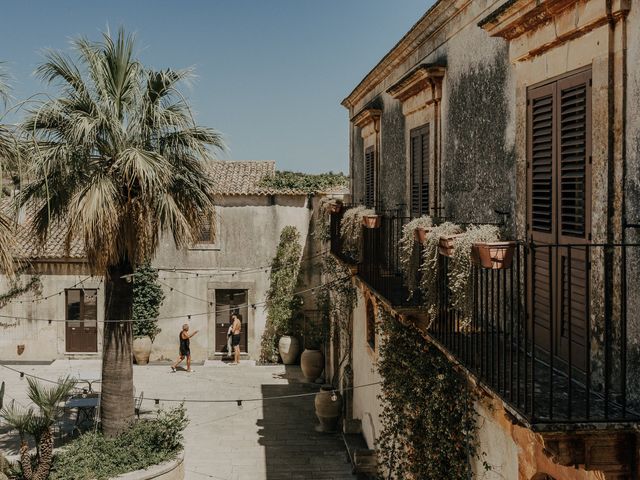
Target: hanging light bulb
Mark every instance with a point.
(334, 397)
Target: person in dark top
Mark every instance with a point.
(185, 350)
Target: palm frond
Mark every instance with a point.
(49, 397)
(17, 417)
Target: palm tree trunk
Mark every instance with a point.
(116, 406)
(46, 456)
(25, 461)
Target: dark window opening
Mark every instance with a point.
(369, 178)
(371, 325)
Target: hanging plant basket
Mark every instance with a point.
(495, 255)
(447, 244)
(371, 221)
(420, 234)
(335, 207)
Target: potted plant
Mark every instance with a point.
(409, 254)
(312, 358)
(429, 268)
(351, 230)
(447, 244)
(459, 273)
(335, 206)
(495, 255)
(371, 220)
(147, 299)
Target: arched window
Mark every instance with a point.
(371, 325)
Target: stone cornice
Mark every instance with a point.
(432, 21)
(367, 116)
(517, 17)
(420, 78)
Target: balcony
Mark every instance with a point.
(553, 346)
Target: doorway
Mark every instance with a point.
(559, 215)
(81, 329)
(227, 302)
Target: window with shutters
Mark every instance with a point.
(419, 154)
(208, 234)
(369, 177)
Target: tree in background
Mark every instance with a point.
(118, 159)
(282, 304)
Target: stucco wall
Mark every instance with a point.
(43, 340)
(366, 406)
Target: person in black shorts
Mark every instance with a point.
(185, 350)
(236, 329)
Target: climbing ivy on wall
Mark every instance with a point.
(281, 303)
(429, 425)
(147, 299)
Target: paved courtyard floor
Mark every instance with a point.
(264, 439)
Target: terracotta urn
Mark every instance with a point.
(495, 255)
(446, 245)
(328, 403)
(141, 349)
(371, 221)
(288, 347)
(312, 364)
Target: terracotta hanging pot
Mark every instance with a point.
(335, 207)
(447, 244)
(420, 234)
(371, 221)
(496, 255)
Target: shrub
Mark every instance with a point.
(145, 443)
(147, 299)
(309, 183)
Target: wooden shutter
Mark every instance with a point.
(369, 177)
(419, 153)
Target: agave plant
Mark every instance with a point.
(119, 160)
(38, 423)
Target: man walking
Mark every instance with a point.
(236, 329)
(185, 348)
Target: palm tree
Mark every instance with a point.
(38, 423)
(8, 155)
(119, 160)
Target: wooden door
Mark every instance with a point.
(559, 213)
(227, 302)
(81, 329)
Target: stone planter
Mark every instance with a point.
(371, 221)
(171, 470)
(447, 243)
(328, 403)
(142, 350)
(312, 364)
(495, 255)
(288, 347)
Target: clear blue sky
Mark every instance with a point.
(270, 73)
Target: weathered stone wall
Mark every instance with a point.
(478, 157)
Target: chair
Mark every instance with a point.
(138, 404)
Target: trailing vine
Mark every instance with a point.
(336, 302)
(460, 267)
(281, 303)
(428, 419)
(17, 288)
(147, 299)
(351, 230)
(409, 254)
(429, 268)
(322, 231)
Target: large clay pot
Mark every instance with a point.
(141, 350)
(312, 364)
(289, 347)
(328, 404)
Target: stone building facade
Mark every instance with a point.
(524, 114)
(226, 269)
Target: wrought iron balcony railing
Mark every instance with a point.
(549, 334)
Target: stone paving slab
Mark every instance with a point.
(262, 440)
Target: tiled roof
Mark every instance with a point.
(244, 178)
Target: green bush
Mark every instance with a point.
(147, 298)
(309, 183)
(145, 443)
